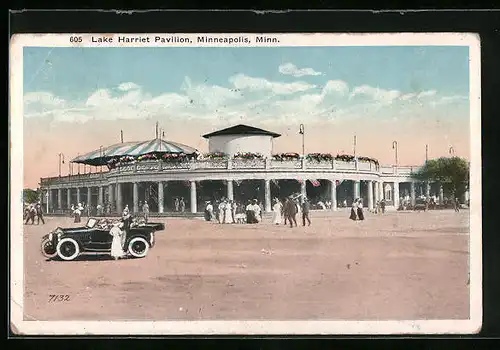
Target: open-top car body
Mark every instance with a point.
(94, 237)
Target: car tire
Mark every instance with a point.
(48, 252)
(138, 247)
(68, 249)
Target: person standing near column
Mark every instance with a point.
(305, 212)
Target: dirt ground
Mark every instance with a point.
(402, 265)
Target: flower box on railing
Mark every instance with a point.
(319, 157)
(214, 156)
(247, 156)
(286, 157)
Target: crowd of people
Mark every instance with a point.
(32, 211)
(285, 211)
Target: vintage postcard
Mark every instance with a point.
(245, 184)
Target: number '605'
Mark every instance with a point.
(75, 39)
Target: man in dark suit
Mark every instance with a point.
(290, 212)
(39, 214)
(305, 212)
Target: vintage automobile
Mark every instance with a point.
(94, 237)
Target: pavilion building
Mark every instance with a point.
(240, 166)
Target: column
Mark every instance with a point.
(333, 194)
(59, 199)
(193, 197)
(49, 200)
(427, 189)
(441, 195)
(396, 194)
(303, 188)
(119, 199)
(78, 197)
(68, 198)
(412, 193)
(230, 191)
(376, 194)
(381, 190)
(356, 189)
(101, 195)
(160, 197)
(136, 197)
(267, 195)
(89, 195)
(370, 195)
(110, 196)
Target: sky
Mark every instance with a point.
(77, 99)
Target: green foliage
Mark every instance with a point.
(450, 172)
(30, 196)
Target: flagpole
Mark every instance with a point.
(354, 146)
(121, 135)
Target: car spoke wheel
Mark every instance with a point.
(68, 249)
(48, 248)
(138, 247)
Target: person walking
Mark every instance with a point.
(305, 212)
(382, 206)
(78, 212)
(360, 213)
(182, 205)
(457, 205)
(354, 210)
(277, 211)
(39, 214)
(31, 214)
(290, 212)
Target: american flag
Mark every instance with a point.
(315, 183)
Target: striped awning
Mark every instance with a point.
(103, 155)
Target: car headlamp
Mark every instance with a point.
(51, 236)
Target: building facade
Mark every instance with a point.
(197, 180)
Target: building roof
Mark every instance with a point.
(241, 130)
(102, 155)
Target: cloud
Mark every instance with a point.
(128, 86)
(244, 82)
(291, 69)
(336, 86)
(375, 94)
(44, 98)
(245, 98)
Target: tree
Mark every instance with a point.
(450, 172)
(30, 196)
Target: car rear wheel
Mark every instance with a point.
(49, 250)
(68, 249)
(138, 247)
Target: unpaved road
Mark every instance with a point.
(392, 267)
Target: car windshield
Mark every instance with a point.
(91, 223)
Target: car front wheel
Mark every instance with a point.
(48, 248)
(138, 247)
(68, 249)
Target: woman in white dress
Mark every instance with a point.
(116, 244)
(277, 208)
(229, 213)
(222, 212)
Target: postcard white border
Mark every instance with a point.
(27, 327)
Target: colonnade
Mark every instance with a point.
(375, 192)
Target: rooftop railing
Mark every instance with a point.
(234, 165)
